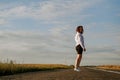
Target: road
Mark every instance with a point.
(65, 74)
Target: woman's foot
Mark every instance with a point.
(76, 69)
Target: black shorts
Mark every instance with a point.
(79, 49)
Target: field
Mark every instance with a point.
(11, 68)
(109, 67)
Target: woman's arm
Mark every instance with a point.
(81, 41)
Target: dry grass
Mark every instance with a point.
(11, 68)
(109, 67)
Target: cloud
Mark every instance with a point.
(3, 22)
(19, 45)
(17, 11)
(101, 58)
(108, 32)
(57, 19)
(47, 10)
(58, 30)
(31, 41)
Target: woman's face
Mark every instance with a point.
(81, 30)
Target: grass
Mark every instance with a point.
(109, 67)
(12, 68)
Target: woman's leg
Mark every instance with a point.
(78, 60)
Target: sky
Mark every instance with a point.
(42, 31)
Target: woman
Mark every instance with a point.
(79, 39)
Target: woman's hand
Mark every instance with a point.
(84, 49)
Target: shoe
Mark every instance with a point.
(75, 69)
(79, 68)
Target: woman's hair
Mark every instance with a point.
(77, 29)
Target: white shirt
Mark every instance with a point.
(79, 39)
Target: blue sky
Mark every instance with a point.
(42, 31)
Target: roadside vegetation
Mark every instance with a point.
(13, 68)
(109, 67)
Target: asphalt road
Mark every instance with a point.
(65, 74)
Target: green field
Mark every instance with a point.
(11, 68)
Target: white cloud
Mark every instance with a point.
(2, 22)
(24, 44)
(103, 32)
(17, 11)
(60, 36)
(31, 41)
(101, 58)
(48, 10)
(58, 30)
